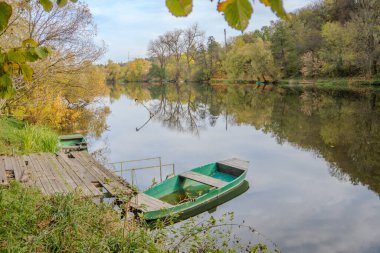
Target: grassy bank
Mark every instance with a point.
(32, 222)
(17, 137)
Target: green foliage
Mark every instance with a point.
(32, 222)
(17, 137)
(15, 60)
(5, 15)
(276, 6)
(236, 12)
(180, 8)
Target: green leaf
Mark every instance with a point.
(236, 12)
(74, 1)
(42, 52)
(27, 72)
(276, 6)
(180, 8)
(6, 87)
(61, 3)
(46, 4)
(31, 55)
(17, 55)
(29, 43)
(5, 15)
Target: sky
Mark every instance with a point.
(127, 26)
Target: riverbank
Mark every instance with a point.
(17, 137)
(338, 83)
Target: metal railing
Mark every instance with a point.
(123, 168)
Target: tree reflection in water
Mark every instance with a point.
(342, 126)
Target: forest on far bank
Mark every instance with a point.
(326, 39)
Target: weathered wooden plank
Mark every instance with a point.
(236, 163)
(147, 203)
(57, 179)
(17, 170)
(25, 173)
(3, 175)
(35, 176)
(47, 171)
(109, 182)
(43, 175)
(77, 168)
(9, 168)
(66, 178)
(80, 184)
(204, 179)
(101, 168)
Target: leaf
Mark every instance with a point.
(6, 87)
(276, 6)
(42, 52)
(5, 15)
(180, 8)
(46, 4)
(31, 55)
(61, 3)
(74, 1)
(17, 55)
(236, 12)
(27, 72)
(29, 43)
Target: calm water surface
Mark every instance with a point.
(315, 155)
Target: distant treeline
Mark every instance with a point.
(329, 38)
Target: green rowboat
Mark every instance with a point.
(73, 142)
(194, 191)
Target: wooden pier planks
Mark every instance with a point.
(204, 179)
(61, 173)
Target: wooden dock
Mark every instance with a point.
(62, 173)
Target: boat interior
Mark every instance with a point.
(193, 184)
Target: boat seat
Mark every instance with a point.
(204, 179)
(147, 203)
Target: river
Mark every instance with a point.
(314, 154)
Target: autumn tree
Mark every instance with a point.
(192, 39)
(61, 81)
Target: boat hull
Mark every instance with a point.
(204, 203)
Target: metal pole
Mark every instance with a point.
(160, 169)
(173, 170)
(132, 176)
(121, 167)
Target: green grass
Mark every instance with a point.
(20, 138)
(31, 222)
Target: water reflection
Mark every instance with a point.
(341, 126)
(314, 174)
